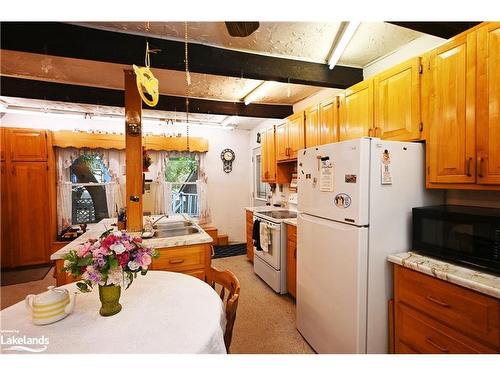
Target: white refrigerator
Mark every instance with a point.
(355, 200)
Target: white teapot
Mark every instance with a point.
(50, 306)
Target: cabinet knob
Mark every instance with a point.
(480, 167)
(467, 169)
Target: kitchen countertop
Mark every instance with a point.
(291, 221)
(105, 224)
(466, 277)
(266, 208)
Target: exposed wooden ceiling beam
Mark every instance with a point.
(59, 39)
(441, 29)
(33, 89)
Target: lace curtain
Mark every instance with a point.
(114, 161)
(163, 189)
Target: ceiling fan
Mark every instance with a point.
(241, 29)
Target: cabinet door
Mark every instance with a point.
(270, 156)
(488, 104)
(451, 143)
(329, 121)
(27, 145)
(292, 261)
(358, 111)
(263, 156)
(296, 142)
(312, 126)
(3, 144)
(5, 225)
(30, 209)
(397, 102)
(281, 142)
(249, 227)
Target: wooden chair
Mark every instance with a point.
(226, 280)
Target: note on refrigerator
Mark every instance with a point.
(326, 176)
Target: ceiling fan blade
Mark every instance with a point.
(241, 29)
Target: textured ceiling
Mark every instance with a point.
(307, 41)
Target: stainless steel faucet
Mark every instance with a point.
(161, 217)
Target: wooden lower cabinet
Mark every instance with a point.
(435, 316)
(193, 260)
(291, 263)
(249, 227)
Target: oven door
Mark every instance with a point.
(273, 256)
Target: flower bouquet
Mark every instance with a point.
(111, 261)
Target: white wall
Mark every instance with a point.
(473, 198)
(414, 48)
(228, 193)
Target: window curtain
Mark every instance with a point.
(202, 187)
(114, 161)
(163, 190)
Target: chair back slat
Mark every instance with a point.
(227, 280)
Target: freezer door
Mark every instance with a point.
(331, 284)
(345, 196)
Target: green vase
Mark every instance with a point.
(110, 297)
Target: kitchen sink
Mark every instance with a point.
(174, 232)
(173, 225)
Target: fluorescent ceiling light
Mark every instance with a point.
(258, 92)
(229, 120)
(342, 43)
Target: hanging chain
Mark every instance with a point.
(188, 81)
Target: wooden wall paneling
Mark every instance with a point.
(271, 155)
(5, 228)
(249, 229)
(158, 143)
(133, 150)
(29, 210)
(52, 181)
(488, 104)
(451, 142)
(263, 155)
(3, 143)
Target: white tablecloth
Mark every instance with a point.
(162, 312)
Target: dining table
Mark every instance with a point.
(162, 313)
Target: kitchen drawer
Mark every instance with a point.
(179, 259)
(418, 333)
(472, 313)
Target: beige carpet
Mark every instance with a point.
(265, 321)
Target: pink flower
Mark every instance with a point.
(83, 250)
(137, 239)
(145, 260)
(128, 246)
(123, 259)
(108, 241)
(100, 250)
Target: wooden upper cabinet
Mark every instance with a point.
(27, 144)
(397, 102)
(268, 157)
(357, 111)
(312, 136)
(29, 207)
(451, 143)
(488, 104)
(296, 141)
(281, 142)
(329, 121)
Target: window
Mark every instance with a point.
(89, 177)
(182, 174)
(261, 189)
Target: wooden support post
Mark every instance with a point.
(133, 152)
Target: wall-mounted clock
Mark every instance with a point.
(227, 156)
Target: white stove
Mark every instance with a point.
(270, 265)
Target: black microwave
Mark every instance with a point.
(463, 234)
